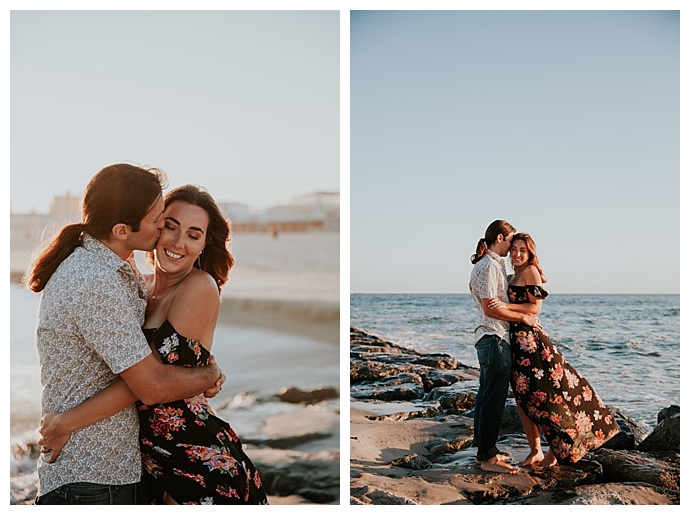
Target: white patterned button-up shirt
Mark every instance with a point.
(89, 330)
(488, 280)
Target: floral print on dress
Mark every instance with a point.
(200, 407)
(167, 420)
(187, 451)
(569, 414)
(213, 457)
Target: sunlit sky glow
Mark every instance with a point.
(564, 123)
(244, 103)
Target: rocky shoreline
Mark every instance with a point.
(293, 438)
(411, 442)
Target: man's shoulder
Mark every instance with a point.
(484, 262)
(81, 271)
(83, 264)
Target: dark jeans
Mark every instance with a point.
(494, 379)
(92, 493)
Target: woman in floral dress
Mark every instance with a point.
(189, 455)
(553, 399)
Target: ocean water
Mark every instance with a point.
(627, 346)
(247, 355)
(294, 266)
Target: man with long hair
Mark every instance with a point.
(89, 335)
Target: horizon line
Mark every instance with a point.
(550, 293)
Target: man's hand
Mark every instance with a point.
(215, 390)
(53, 437)
(532, 320)
(497, 304)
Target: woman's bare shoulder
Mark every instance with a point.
(199, 281)
(531, 275)
(196, 303)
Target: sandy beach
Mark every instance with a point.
(276, 340)
(411, 435)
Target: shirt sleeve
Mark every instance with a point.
(109, 323)
(486, 282)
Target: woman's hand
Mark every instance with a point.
(497, 304)
(215, 390)
(53, 436)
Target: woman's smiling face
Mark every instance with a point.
(183, 237)
(519, 253)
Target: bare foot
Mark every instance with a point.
(499, 457)
(533, 458)
(496, 465)
(549, 460)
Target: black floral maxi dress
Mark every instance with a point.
(565, 407)
(186, 450)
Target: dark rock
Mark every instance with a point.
(665, 437)
(404, 378)
(412, 461)
(600, 494)
(317, 480)
(387, 498)
(433, 379)
(438, 449)
(415, 410)
(451, 400)
(359, 337)
(298, 396)
(398, 392)
(670, 412)
(584, 472)
(400, 387)
(622, 494)
(285, 441)
(362, 371)
(631, 433)
(359, 492)
(635, 466)
(439, 361)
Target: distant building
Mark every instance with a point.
(29, 230)
(315, 211)
(308, 212)
(235, 211)
(66, 207)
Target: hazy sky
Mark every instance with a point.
(564, 123)
(244, 103)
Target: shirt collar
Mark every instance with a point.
(102, 252)
(495, 257)
(115, 262)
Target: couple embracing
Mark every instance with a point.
(125, 360)
(553, 400)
